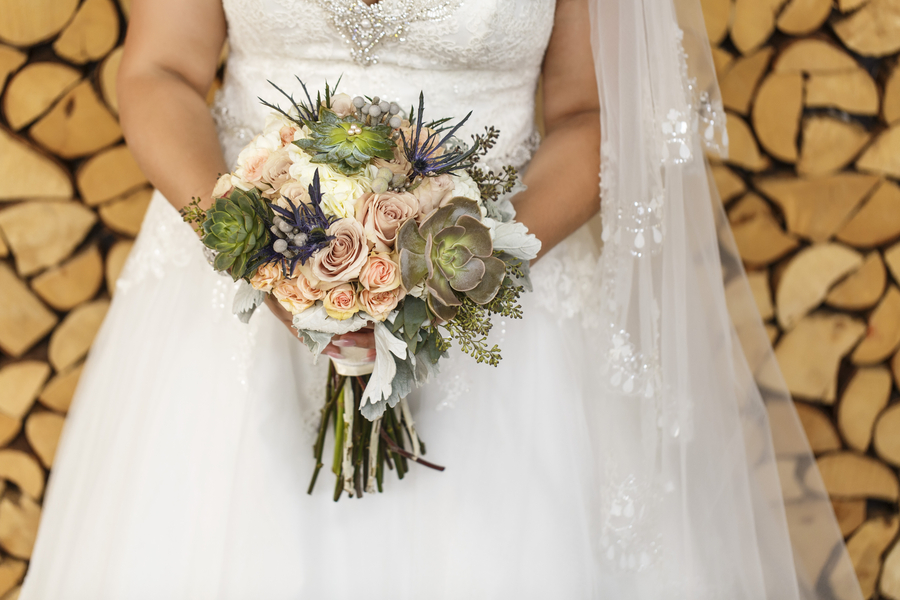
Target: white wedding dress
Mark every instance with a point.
(183, 467)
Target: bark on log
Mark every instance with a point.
(829, 144)
(739, 84)
(808, 277)
(877, 222)
(776, 114)
(91, 34)
(816, 208)
(57, 394)
(29, 22)
(883, 334)
(865, 397)
(848, 475)
(72, 339)
(42, 429)
(72, 283)
(26, 173)
(108, 175)
(862, 289)
(78, 125)
(24, 320)
(34, 89)
(20, 384)
(42, 234)
(873, 30)
(883, 156)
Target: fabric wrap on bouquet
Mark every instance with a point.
(694, 507)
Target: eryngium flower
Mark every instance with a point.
(451, 252)
(347, 144)
(236, 228)
(427, 154)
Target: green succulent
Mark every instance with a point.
(452, 252)
(235, 227)
(346, 143)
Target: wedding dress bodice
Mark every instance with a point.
(478, 55)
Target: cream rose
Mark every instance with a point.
(342, 105)
(306, 288)
(382, 215)
(381, 274)
(224, 186)
(295, 191)
(288, 294)
(276, 169)
(267, 277)
(433, 193)
(344, 257)
(341, 302)
(380, 304)
(250, 164)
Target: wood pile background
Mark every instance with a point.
(812, 188)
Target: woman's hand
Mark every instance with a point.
(360, 339)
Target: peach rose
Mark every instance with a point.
(295, 191)
(344, 257)
(342, 105)
(341, 302)
(288, 134)
(223, 187)
(380, 304)
(252, 161)
(288, 294)
(275, 169)
(381, 274)
(267, 277)
(307, 289)
(433, 193)
(382, 215)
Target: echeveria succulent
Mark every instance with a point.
(235, 227)
(451, 252)
(346, 143)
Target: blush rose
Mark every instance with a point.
(382, 215)
(344, 257)
(341, 302)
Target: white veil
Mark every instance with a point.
(718, 495)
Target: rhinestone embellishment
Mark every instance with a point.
(365, 26)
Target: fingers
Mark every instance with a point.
(334, 352)
(360, 339)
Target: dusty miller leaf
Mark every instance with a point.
(246, 301)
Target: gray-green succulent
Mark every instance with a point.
(235, 227)
(346, 143)
(452, 253)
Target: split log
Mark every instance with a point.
(24, 320)
(72, 339)
(873, 30)
(23, 470)
(776, 114)
(848, 475)
(816, 208)
(850, 514)
(42, 234)
(42, 430)
(759, 285)
(10, 60)
(810, 354)
(20, 384)
(753, 23)
(892, 259)
(801, 17)
(813, 56)
(19, 518)
(883, 156)
(890, 104)
(91, 34)
(34, 89)
(4, 249)
(761, 241)
(740, 82)
(883, 334)
(829, 144)
(820, 432)
(808, 277)
(866, 548)
(78, 125)
(886, 437)
(74, 282)
(877, 222)
(108, 175)
(772, 332)
(11, 573)
(9, 428)
(14, 594)
(861, 289)
(29, 22)
(852, 91)
(749, 207)
(865, 397)
(126, 7)
(895, 369)
(716, 16)
(26, 173)
(728, 183)
(58, 392)
(890, 574)
(850, 5)
(742, 149)
(127, 214)
(109, 73)
(115, 260)
(722, 61)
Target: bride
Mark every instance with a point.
(623, 447)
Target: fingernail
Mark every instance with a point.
(371, 354)
(343, 343)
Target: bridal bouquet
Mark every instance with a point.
(353, 215)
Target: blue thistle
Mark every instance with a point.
(300, 231)
(422, 153)
(307, 110)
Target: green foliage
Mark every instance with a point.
(193, 214)
(235, 227)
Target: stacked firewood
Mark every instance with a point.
(812, 92)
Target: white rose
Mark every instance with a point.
(339, 191)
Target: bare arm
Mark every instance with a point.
(563, 178)
(171, 52)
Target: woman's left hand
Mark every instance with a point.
(364, 338)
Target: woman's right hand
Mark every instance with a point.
(360, 339)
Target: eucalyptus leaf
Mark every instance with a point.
(315, 318)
